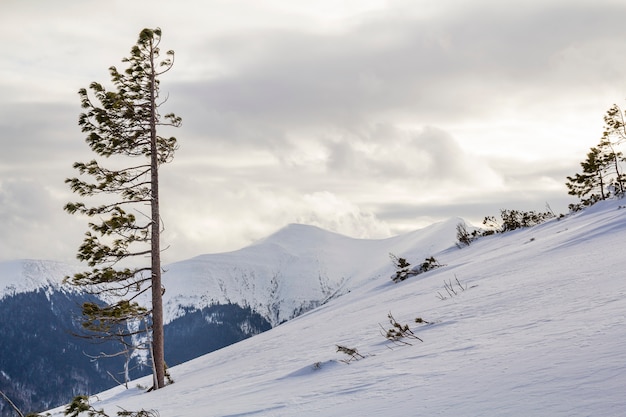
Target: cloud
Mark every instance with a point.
(339, 182)
(331, 212)
(394, 64)
(254, 213)
(33, 132)
(378, 118)
(34, 224)
(425, 159)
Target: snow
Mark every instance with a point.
(537, 330)
(27, 275)
(295, 269)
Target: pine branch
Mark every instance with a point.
(11, 404)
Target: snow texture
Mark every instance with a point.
(537, 329)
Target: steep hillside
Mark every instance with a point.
(211, 301)
(534, 327)
(41, 363)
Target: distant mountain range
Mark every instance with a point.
(293, 270)
(211, 301)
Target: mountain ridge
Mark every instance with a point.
(211, 300)
(263, 274)
(294, 269)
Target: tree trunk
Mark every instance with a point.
(157, 296)
(601, 179)
(13, 406)
(619, 182)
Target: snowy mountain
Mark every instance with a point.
(211, 301)
(533, 327)
(293, 271)
(290, 272)
(29, 275)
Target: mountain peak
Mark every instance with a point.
(297, 234)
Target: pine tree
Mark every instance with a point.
(602, 173)
(615, 125)
(587, 184)
(121, 126)
(612, 160)
(614, 134)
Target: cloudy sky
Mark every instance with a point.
(365, 117)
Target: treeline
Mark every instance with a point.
(602, 177)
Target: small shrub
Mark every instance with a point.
(451, 289)
(81, 404)
(463, 237)
(398, 332)
(140, 413)
(404, 270)
(429, 264)
(353, 354)
(515, 219)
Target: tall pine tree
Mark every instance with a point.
(121, 126)
(602, 175)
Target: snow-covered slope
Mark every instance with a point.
(537, 330)
(293, 270)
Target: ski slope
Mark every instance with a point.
(538, 329)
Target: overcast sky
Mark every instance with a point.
(365, 117)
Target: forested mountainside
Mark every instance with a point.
(44, 364)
